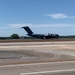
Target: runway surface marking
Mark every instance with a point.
(32, 46)
(56, 71)
(33, 64)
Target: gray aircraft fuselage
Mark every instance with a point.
(41, 36)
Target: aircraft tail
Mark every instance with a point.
(28, 30)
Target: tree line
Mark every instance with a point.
(16, 36)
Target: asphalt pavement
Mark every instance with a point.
(51, 68)
(34, 58)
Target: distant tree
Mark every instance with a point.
(15, 36)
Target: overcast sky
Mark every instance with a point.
(42, 16)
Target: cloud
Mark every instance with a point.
(4, 28)
(41, 25)
(18, 25)
(59, 16)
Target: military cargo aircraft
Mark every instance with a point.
(40, 36)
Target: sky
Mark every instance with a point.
(42, 16)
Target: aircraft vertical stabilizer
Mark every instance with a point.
(28, 30)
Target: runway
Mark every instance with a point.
(37, 58)
(60, 68)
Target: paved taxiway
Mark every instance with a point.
(19, 58)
